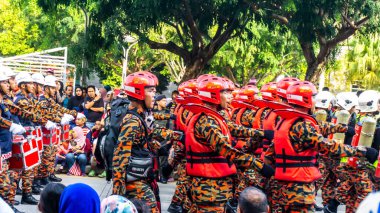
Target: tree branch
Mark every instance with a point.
(196, 36)
(179, 33)
(281, 19)
(170, 46)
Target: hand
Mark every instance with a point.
(50, 125)
(371, 155)
(69, 117)
(269, 134)
(64, 121)
(267, 171)
(17, 129)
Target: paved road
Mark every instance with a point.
(104, 189)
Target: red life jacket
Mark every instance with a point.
(291, 165)
(352, 161)
(201, 160)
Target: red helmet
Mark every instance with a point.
(301, 93)
(204, 76)
(188, 88)
(209, 89)
(283, 85)
(135, 84)
(269, 91)
(248, 94)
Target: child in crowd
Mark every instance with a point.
(80, 121)
(76, 150)
(63, 149)
(94, 164)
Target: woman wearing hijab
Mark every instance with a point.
(117, 204)
(79, 198)
(76, 149)
(76, 102)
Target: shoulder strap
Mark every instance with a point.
(143, 123)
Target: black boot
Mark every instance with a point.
(331, 207)
(54, 178)
(28, 199)
(318, 208)
(36, 190)
(18, 191)
(44, 181)
(37, 183)
(16, 210)
(174, 208)
(16, 203)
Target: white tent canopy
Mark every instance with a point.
(41, 62)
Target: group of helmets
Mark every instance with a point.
(23, 77)
(208, 87)
(366, 102)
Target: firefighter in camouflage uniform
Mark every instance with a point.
(297, 141)
(137, 141)
(210, 158)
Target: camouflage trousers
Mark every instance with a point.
(7, 190)
(141, 190)
(355, 188)
(27, 177)
(246, 178)
(291, 197)
(180, 197)
(210, 195)
(47, 162)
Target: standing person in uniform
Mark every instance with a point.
(211, 159)
(163, 152)
(54, 112)
(297, 142)
(7, 128)
(136, 141)
(358, 183)
(26, 86)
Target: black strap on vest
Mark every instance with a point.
(143, 123)
(303, 161)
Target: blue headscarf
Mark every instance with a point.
(79, 198)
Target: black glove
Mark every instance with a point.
(269, 135)
(167, 170)
(267, 171)
(371, 155)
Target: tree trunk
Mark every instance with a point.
(311, 72)
(194, 69)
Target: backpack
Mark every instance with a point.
(108, 139)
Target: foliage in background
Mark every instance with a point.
(362, 61)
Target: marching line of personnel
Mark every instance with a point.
(226, 139)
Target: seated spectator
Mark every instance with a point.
(76, 102)
(79, 198)
(117, 204)
(252, 200)
(96, 169)
(76, 150)
(50, 196)
(80, 121)
(62, 151)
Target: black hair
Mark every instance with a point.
(175, 92)
(68, 87)
(253, 200)
(61, 88)
(50, 196)
(90, 86)
(326, 89)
